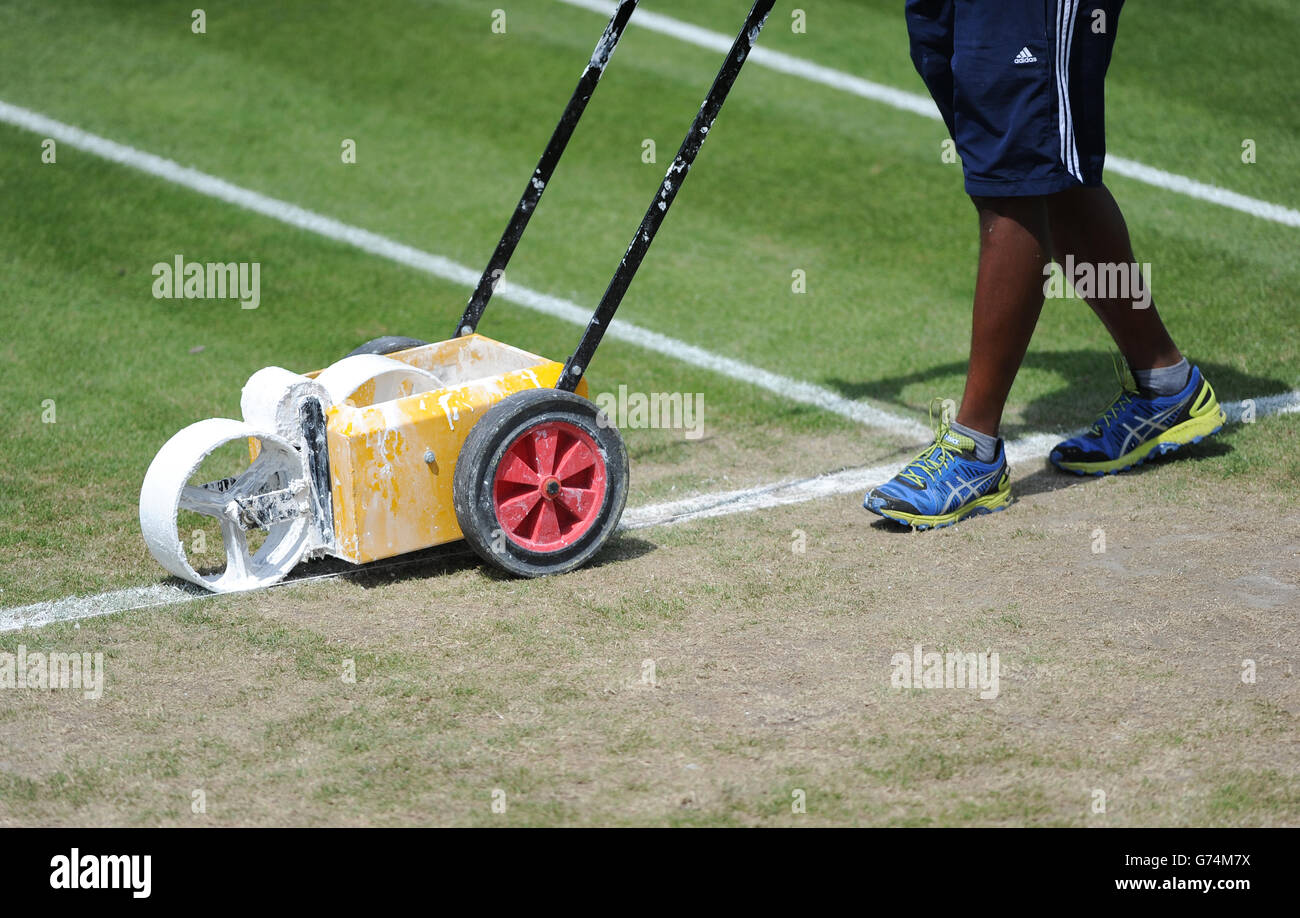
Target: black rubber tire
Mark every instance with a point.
(476, 470)
(388, 344)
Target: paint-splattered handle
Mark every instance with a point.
(545, 168)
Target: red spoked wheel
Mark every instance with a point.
(540, 482)
(549, 486)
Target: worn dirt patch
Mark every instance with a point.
(712, 673)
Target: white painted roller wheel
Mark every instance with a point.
(392, 378)
(271, 495)
(273, 396)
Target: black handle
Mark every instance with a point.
(545, 168)
(577, 363)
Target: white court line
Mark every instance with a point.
(765, 497)
(792, 389)
(1035, 446)
(1026, 449)
(39, 614)
(924, 106)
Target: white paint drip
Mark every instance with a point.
(1026, 449)
(924, 106)
(444, 402)
(445, 268)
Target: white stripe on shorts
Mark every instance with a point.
(1066, 13)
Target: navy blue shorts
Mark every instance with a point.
(1020, 84)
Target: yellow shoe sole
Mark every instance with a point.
(1207, 419)
(997, 500)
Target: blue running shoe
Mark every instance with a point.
(943, 484)
(1134, 428)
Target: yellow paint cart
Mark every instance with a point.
(403, 444)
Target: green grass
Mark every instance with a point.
(448, 119)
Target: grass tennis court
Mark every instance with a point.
(1122, 668)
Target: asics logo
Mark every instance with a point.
(1147, 427)
(966, 489)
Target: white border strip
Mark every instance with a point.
(39, 614)
(1026, 449)
(924, 106)
(1029, 448)
(792, 389)
(1034, 447)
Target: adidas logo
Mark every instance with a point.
(1025, 57)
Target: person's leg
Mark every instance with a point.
(1015, 245)
(1087, 224)
(988, 67)
(1172, 404)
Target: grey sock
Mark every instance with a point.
(1163, 381)
(986, 447)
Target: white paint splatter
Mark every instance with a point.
(444, 402)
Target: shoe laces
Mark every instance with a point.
(1127, 392)
(936, 457)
